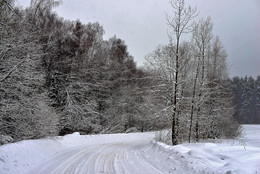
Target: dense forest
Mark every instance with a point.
(247, 99)
(59, 76)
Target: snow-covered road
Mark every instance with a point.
(120, 158)
(134, 153)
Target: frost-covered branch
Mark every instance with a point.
(12, 70)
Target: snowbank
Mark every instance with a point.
(241, 156)
(206, 158)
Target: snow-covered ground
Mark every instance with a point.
(134, 153)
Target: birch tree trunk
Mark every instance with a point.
(180, 24)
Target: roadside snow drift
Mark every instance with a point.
(135, 153)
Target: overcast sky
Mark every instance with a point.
(142, 24)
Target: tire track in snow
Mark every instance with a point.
(115, 158)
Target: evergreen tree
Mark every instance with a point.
(246, 99)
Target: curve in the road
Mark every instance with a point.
(114, 158)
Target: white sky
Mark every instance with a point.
(142, 24)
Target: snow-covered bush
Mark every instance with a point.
(163, 136)
(5, 139)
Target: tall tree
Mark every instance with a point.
(257, 83)
(24, 103)
(180, 23)
(195, 75)
(201, 38)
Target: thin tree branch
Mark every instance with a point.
(12, 70)
(9, 5)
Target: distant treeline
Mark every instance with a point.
(247, 99)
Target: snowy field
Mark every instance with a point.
(134, 153)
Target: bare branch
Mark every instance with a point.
(8, 5)
(2, 54)
(12, 70)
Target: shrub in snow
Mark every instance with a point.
(5, 139)
(132, 129)
(163, 136)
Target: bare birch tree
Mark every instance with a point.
(196, 76)
(180, 23)
(202, 36)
